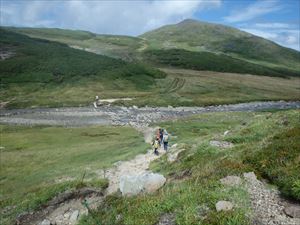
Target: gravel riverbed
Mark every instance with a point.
(116, 115)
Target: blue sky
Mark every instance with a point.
(275, 20)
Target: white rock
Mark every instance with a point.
(45, 222)
(135, 184)
(135, 107)
(74, 216)
(224, 206)
(226, 132)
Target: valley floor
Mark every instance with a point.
(179, 88)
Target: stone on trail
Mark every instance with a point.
(45, 222)
(221, 144)
(250, 176)
(74, 216)
(231, 181)
(292, 211)
(146, 182)
(167, 219)
(224, 206)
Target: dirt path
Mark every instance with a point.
(114, 115)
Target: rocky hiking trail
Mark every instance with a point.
(66, 208)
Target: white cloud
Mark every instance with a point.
(288, 38)
(254, 10)
(273, 25)
(114, 17)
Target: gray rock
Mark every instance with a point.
(231, 181)
(167, 219)
(119, 217)
(135, 184)
(292, 211)
(202, 211)
(221, 144)
(74, 216)
(45, 222)
(224, 206)
(250, 176)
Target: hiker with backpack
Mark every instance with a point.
(161, 134)
(165, 140)
(155, 145)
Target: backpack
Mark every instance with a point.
(166, 138)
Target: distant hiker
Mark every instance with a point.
(96, 102)
(158, 134)
(155, 146)
(161, 135)
(165, 140)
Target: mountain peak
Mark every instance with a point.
(188, 21)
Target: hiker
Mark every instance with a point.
(161, 135)
(96, 102)
(156, 145)
(165, 140)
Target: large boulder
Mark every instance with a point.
(146, 182)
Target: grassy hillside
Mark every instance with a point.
(39, 66)
(193, 186)
(39, 162)
(194, 35)
(117, 46)
(213, 62)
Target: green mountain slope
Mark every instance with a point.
(218, 44)
(212, 62)
(37, 65)
(194, 35)
(117, 46)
